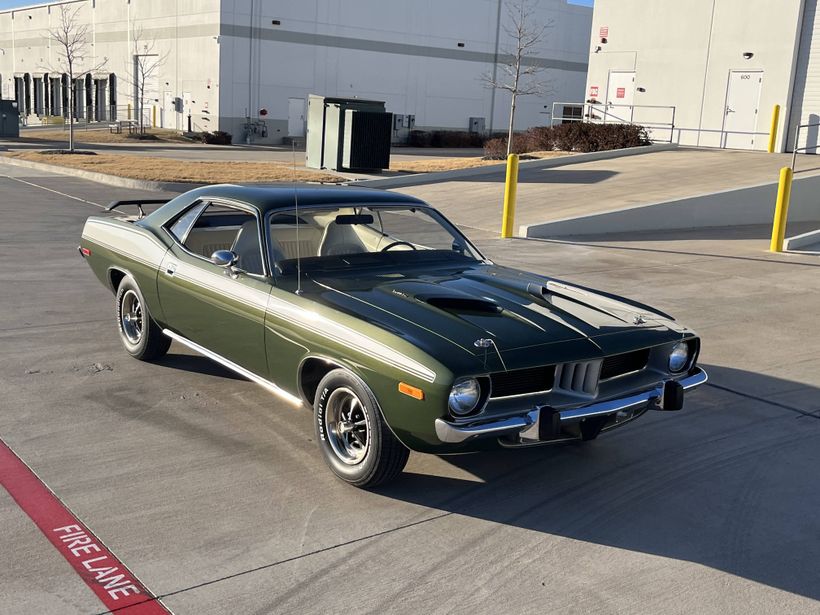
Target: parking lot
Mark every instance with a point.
(215, 496)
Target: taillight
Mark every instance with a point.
(85, 251)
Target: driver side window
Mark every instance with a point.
(221, 227)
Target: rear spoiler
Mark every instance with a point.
(138, 202)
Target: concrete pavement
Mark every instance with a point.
(605, 185)
(214, 493)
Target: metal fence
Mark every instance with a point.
(659, 120)
(795, 148)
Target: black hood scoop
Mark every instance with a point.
(462, 304)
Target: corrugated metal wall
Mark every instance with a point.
(806, 101)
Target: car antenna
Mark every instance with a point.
(296, 204)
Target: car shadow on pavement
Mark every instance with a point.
(544, 176)
(198, 364)
(731, 483)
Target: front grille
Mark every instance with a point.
(579, 377)
(621, 364)
(522, 381)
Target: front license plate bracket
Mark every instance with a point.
(549, 423)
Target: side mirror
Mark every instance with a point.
(224, 258)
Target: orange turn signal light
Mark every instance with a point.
(411, 391)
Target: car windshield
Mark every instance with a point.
(349, 236)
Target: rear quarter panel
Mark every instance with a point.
(130, 248)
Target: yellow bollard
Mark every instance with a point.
(129, 111)
(154, 116)
(781, 210)
(510, 191)
(773, 129)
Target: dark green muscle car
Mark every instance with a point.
(374, 310)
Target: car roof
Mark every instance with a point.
(268, 197)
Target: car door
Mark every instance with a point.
(221, 309)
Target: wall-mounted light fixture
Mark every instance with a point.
(598, 49)
(748, 55)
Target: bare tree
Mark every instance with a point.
(71, 39)
(147, 62)
(519, 72)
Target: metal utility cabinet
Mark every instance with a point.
(9, 119)
(348, 134)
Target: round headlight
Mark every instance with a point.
(679, 357)
(464, 396)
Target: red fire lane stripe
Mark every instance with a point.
(115, 585)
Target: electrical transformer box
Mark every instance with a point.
(9, 119)
(347, 134)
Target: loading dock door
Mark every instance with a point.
(620, 96)
(742, 106)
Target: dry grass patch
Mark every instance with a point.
(170, 170)
(452, 164)
(163, 135)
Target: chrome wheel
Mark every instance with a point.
(347, 426)
(131, 317)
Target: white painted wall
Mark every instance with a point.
(806, 101)
(388, 50)
(185, 32)
(683, 52)
(753, 205)
(404, 52)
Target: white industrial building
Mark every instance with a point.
(714, 68)
(248, 65)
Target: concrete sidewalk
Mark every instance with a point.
(590, 187)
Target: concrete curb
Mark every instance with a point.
(724, 208)
(418, 179)
(801, 241)
(103, 178)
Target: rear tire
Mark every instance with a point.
(354, 439)
(140, 334)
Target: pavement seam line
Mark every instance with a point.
(763, 400)
(292, 559)
(76, 198)
(54, 324)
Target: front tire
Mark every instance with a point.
(354, 439)
(140, 334)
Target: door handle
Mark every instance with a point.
(171, 269)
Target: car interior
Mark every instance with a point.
(210, 227)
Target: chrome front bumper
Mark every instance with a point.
(453, 433)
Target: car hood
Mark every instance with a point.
(516, 315)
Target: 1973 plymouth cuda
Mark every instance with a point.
(376, 311)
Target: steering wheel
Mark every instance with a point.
(398, 243)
